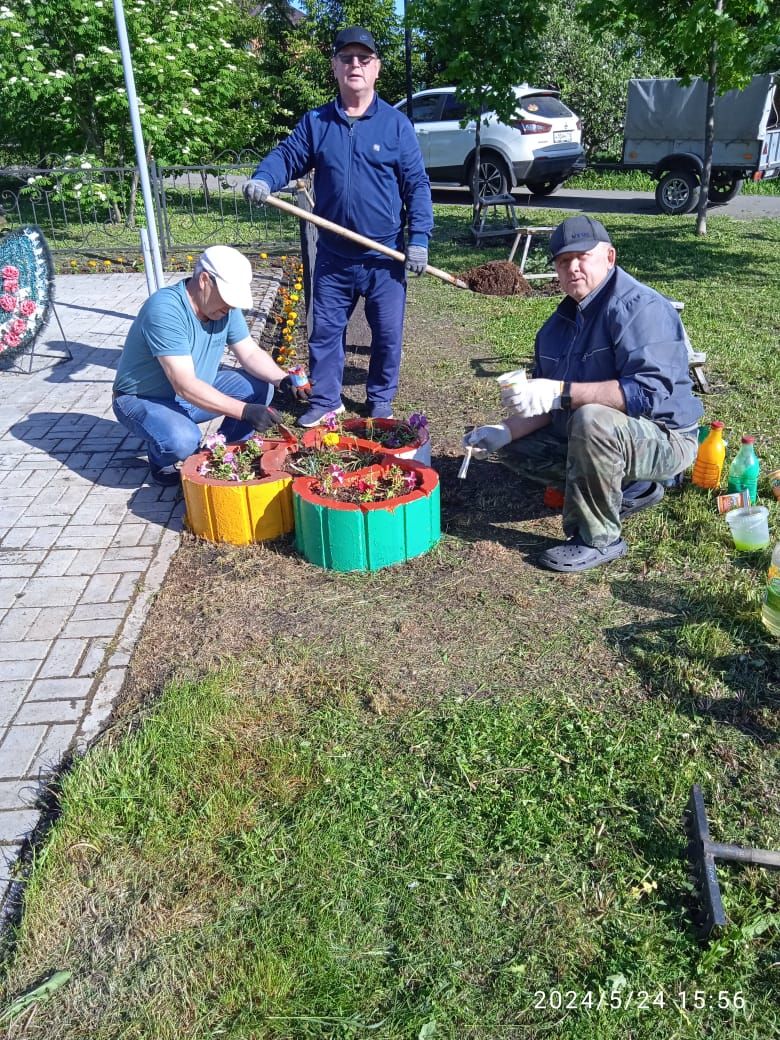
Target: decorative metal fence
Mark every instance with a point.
(87, 209)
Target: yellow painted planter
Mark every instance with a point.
(236, 512)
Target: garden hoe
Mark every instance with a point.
(702, 854)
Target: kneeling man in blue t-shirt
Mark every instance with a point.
(169, 377)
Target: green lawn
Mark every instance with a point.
(445, 800)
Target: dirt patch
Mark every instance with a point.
(497, 278)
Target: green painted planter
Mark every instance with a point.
(367, 536)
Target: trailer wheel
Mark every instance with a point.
(723, 187)
(677, 192)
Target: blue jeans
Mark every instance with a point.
(338, 283)
(169, 426)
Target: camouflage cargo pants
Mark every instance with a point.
(604, 449)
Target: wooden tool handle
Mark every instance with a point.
(353, 236)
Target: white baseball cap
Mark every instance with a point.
(232, 272)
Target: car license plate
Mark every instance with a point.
(561, 135)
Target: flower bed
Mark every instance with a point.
(230, 498)
(362, 533)
(400, 438)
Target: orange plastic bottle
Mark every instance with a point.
(710, 458)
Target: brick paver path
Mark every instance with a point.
(85, 540)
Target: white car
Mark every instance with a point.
(540, 148)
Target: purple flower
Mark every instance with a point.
(418, 421)
(393, 441)
(410, 481)
(230, 458)
(213, 439)
(336, 474)
(330, 422)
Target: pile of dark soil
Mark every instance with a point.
(497, 278)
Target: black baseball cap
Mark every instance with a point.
(578, 235)
(354, 34)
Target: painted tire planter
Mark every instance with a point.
(366, 536)
(419, 450)
(238, 512)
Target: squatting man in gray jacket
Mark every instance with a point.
(609, 413)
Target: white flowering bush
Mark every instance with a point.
(77, 179)
(197, 73)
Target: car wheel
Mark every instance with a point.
(723, 187)
(543, 187)
(677, 192)
(493, 175)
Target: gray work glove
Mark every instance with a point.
(416, 259)
(256, 191)
(260, 416)
(486, 439)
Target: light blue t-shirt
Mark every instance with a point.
(167, 324)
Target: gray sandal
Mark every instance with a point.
(575, 556)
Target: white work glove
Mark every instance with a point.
(536, 397)
(416, 259)
(256, 191)
(485, 439)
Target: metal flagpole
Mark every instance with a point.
(138, 138)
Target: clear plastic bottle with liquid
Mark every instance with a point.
(744, 470)
(770, 610)
(710, 458)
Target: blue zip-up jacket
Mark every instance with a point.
(626, 331)
(368, 177)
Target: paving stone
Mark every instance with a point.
(32, 712)
(88, 629)
(17, 824)
(12, 693)
(23, 650)
(48, 624)
(10, 589)
(17, 794)
(62, 661)
(57, 563)
(86, 537)
(17, 622)
(56, 742)
(99, 588)
(94, 658)
(18, 749)
(53, 592)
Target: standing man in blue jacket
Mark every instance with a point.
(609, 413)
(369, 177)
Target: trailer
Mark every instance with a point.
(664, 135)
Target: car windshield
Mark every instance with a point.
(544, 105)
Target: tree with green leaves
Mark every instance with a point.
(197, 72)
(592, 70)
(484, 50)
(722, 41)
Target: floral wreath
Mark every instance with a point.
(26, 282)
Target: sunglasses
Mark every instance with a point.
(363, 60)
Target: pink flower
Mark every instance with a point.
(9, 271)
(11, 340)
(28, 307)
(7, 303)
(17, 326)
(11, 285)
(410, 481)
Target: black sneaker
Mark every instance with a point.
(165, 476)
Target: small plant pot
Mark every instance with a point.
(238, 512)
(366, 536)
(419, 450)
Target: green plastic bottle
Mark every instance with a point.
(744, 470)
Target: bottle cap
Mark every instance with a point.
(748, 440)
(716, 424)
